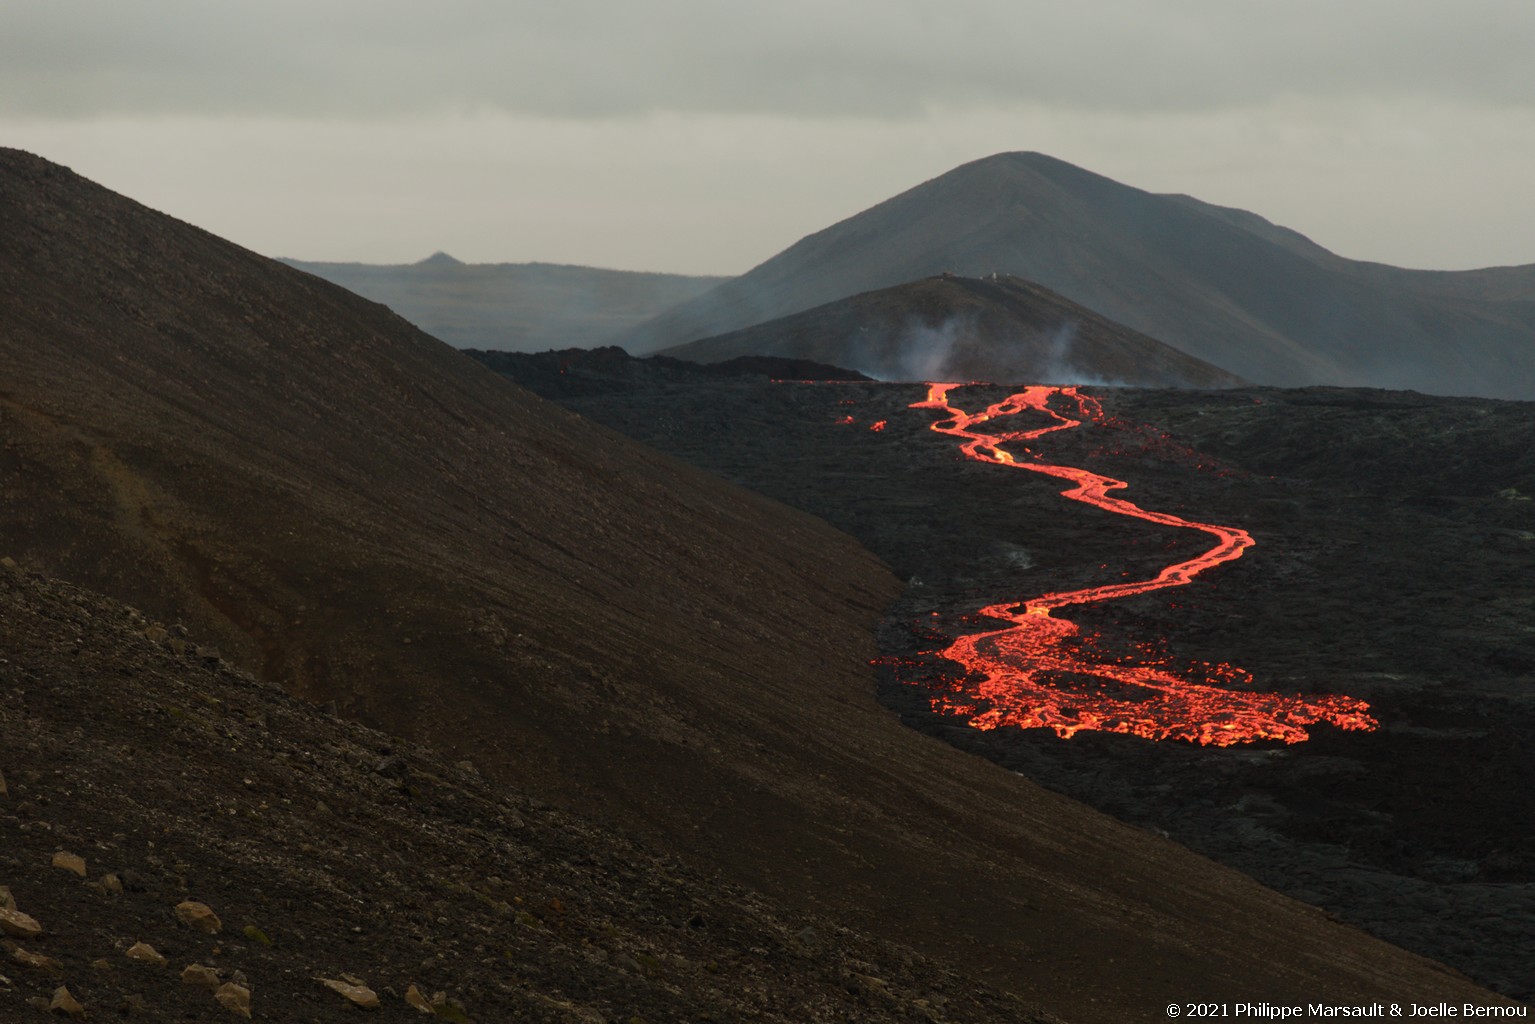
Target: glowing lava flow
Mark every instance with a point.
(1032, 674)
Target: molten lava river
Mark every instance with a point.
(1038, 671)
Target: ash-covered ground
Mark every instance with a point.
(1395, 562)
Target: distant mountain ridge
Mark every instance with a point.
(954, 328)
(1222, 285)
(519, 307)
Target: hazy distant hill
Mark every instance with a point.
(1223, 285)
(519, 307)
(353, 509)
(959, 328)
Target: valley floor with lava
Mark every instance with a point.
(1394, 561)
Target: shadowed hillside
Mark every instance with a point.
(354, 510)
(521, 307)
(953, 328)
(1222, 285)
(325, 848)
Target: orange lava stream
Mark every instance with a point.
(1032, 674)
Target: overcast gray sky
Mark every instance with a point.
(703, 137)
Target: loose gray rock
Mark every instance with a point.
(19, 925)
(201, 975)
(199, 917)
(70, 862)
(234, 998)
(357, 994)
(65, 1003)
(145, 953)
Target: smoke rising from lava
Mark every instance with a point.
(958, 347)
(918, 351)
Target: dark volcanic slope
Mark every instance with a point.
(366, 516)
(521, 307)
(585, 371)
(1223, 285)
(326, 849)
(955, 328)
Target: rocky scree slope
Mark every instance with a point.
(327, 850)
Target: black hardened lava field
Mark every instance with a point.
(1366, 657)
